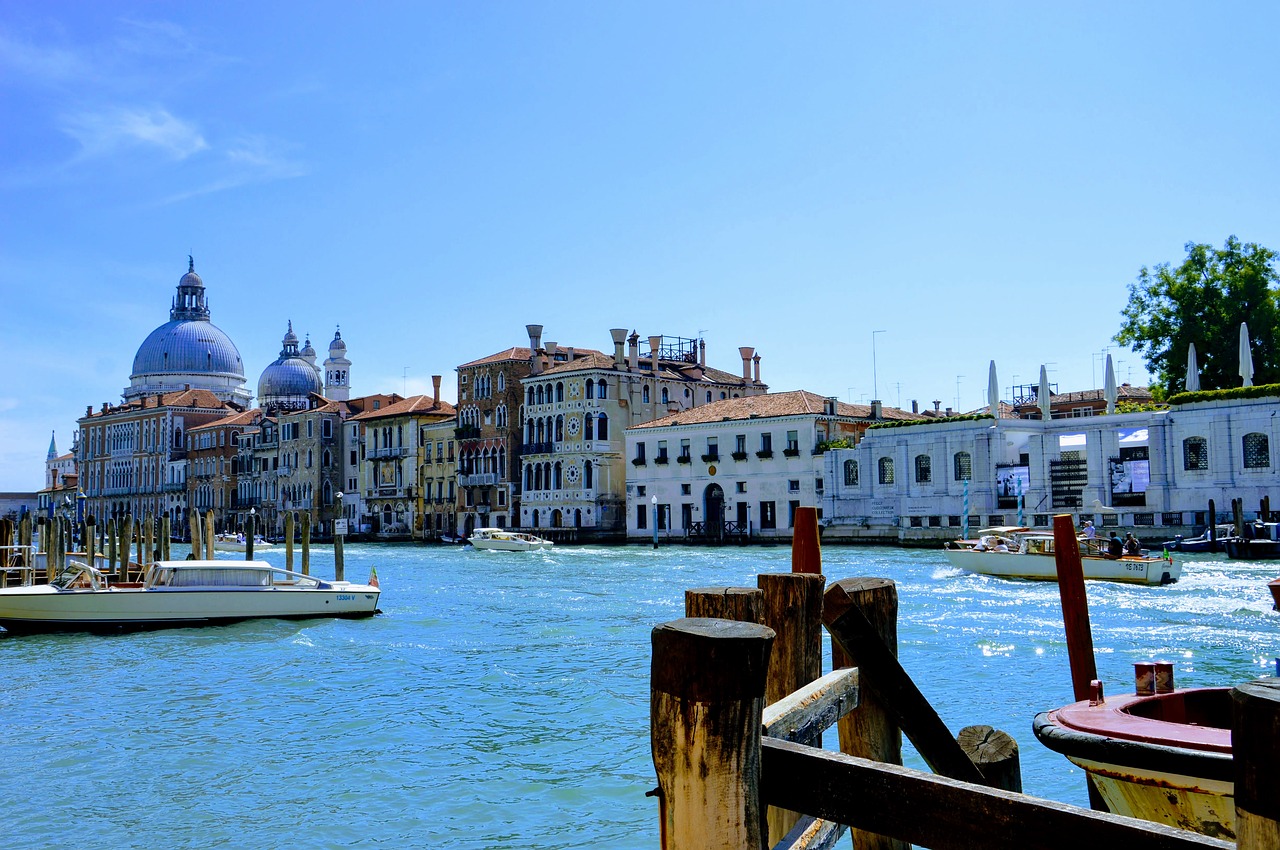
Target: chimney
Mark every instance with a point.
(756, 361)
(550, 348)
(535, 342)
(833, 405)
(915, 406)
(88, 411)
(937, 406)
(875, 409)
(435, 383)
(655, 347)
(746, 351)
(948, 411)
(702, 353)
(619, 339)
(633, 351)
(569, 353)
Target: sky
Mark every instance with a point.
(879, 198)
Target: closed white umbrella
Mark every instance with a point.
(1043, 395)
(993, 391)
(1193, 370)
(1246, 356)
(1109, 389)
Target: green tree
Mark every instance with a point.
(1203, 301)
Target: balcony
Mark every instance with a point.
(711, 457)
(390, 452)
(791, 452)
(684, 459)
(482, 479)
(467, 432)
(639, 461)
(739, 455)
(764, 454)
(535, 449)
(662, 459)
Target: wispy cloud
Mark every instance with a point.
(109, 131)
(41, 64)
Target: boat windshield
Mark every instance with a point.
(78, 576)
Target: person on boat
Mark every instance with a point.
(1115, 546)
(1001, 545)
(1131, 546)
(1089, 531)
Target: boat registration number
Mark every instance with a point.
(347, 597)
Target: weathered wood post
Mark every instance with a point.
(1237, 516)
(744, 604)
(996, 755)
(111, 545)
(707, 683)
(1075, 606)
(197, 545)
(166, 537)
(1265, 508)
(42, 526)
(1255, 744)
(90, 542)
(289, 519)
(248, 536)
(126, 546)
(24, 538)
(209, 535)
(339, 559)
(806, 544)
(870, 731)
(305, 517)
(149, 540)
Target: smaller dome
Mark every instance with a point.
(337, 346)
(288, 381)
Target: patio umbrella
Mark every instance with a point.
(1109, 389)
(1193, 370)
(1043, 395)
(993, 391)
(1246, 356)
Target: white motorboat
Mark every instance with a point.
(502, 540)
(179, 593)
(1016, 552)
(236, 543)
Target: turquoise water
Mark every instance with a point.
(501, 700)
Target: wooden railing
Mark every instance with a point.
(738, 706)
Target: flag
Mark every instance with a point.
(373, 577)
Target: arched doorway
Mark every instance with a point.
(556, 518)
(713, 511)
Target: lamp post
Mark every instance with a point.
(875, 382)
(653, 500)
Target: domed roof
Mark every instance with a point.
(188, 349)
(290, 379)
(337, 347)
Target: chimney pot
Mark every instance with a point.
(746, 351)
(756, 361)
(915, 406)
(875, 409)
(435, 383)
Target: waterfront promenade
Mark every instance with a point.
(503, 701)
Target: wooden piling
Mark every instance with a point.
(90, 551)
(197, 545)
(1265, 508)
(1075, 606)
(166, 537)
(1237, 516)
(744, 604)
(306, 543)
(149, 540)
(24, 537)
(707, 684)
(248, 536)
(289, 519)
(339, 559)
(1255, 736)
(996, 755)
(111, 544)
(42, 525)
(209, 536)
(126, 546)
(806, 544)
(870, 732)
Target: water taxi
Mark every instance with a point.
(502, 540)
(177, 594)
(236, 543)
(1019, 552)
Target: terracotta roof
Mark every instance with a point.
(672, 370)
(514, 353)
(1124, 392)
(248, 417)
(412, 404)
(202, 399)
(593, 360)
(793, 403)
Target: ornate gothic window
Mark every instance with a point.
(1257, 451)
(1195, 453)
(924, 469)
(886, 470)
(851, 473)
(963, 466)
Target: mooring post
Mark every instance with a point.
(1237, 516)
(1264, 507)
(166, 537)
(744, 604)
(707, 684)
(42, 525)
(126, 545)
(339, 559)
(208, 535)
(306, 543)
(1255, 744)
(996, 755)
(248, 536)
(289, 519)
(149, 550)
(89, 542)
(1075, 606)
(870, 731)
(197, 546)
(806, 544)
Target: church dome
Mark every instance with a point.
(288, 382)
(188, 350)
(337, 348)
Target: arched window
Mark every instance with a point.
(530, 402)
(556, 478)
(962, 466)
(502, 381)
(502, 463)
(537, 476)
(591, 388)
(1195, 453)
(851, 473)
(708, 395)
(886, 470)
(559, 428)
(924, 469)
(665, 398)
(588, 425)
(603, 386)
(644, 394)
(602, 430)
(528, 477)
(540, 431)
(1257, 451)
(328, 459)
(587, 480)
(528, 430)
(559, 390)
(327, 493)
(539, 394)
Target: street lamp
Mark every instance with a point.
(875, 382)
(653, 500)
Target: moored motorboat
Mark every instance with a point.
(1209, 540)
(502, 540)
(1164, 758)
(179, 593)
(237, 543)
(1018, 552)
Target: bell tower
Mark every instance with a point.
(337, 370)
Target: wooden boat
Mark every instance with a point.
(1274, 585)
(176, 594)
(1260, 542)
(502, 540)
(1018, 552)
(1164, 758)
(236, 543)
(1209, 540)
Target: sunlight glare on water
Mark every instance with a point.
(501, 699)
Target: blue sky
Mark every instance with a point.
(977, 180)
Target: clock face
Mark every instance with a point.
(573, 425)
(575, 389)
(571, 474)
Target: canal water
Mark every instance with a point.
(501, 700)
